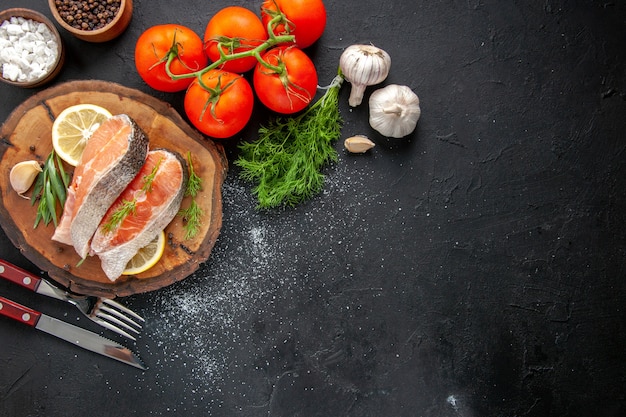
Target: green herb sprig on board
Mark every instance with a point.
(50, 190)
(286, 160)
(128, 207)
(192, 214)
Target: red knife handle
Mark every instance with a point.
(19, 276)
(18, 312)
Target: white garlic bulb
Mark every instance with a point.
(394, 110)
(363, 65)
(23, 175)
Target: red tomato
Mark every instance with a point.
(245, 30)
(224, 109)
(292, 89)
(153, 48)
(305, 19)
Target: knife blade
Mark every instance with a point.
(73, 334)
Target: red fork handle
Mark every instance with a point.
(19, 276)
(18, 312)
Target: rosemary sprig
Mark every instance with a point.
(287, 158)
(50, 190)
(192, 214)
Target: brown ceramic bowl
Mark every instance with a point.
(58, 64)
(112, 30)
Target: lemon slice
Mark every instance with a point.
(147, 256)
(72, 129)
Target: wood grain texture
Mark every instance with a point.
(26, 134)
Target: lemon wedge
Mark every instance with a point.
(72, 129)
(147, 256)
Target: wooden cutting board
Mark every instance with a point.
(26, 135)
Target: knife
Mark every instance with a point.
(70, 333)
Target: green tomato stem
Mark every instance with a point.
(272, 41)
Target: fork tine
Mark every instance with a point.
(118, 318)
(115, 321)
(122, 308)
(109, 326)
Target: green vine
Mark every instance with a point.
(229, 44)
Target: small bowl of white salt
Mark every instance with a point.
(31, 49)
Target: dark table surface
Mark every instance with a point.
(475, 268)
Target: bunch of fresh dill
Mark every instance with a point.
(287, 159)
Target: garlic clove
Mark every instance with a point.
(23, 174)
(358, 144)
(363, 65)
(394, 110)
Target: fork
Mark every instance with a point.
(107, 313)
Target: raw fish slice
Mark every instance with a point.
(155, 205)
(114, 154)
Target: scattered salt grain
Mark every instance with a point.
(200, 323)
(28, 49)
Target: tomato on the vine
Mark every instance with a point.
(153, 48)
(245, 30)
(291, 85)
(305, 19)
(221, 106)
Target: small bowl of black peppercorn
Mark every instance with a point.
(93, 20)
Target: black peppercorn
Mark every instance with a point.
(87, 14)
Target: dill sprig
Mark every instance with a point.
(149, 179)
(192, 214)
(128, 207)
(194, 184)
(193, 219)
(50, 190)
(287, 158)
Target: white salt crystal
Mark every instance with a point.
(6, 53)
(35, 73)
(28, 49)
(14, 30)
(22, 63)
(40, 49)
(10, 71)
(27, 53)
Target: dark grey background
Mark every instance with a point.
(475, 268)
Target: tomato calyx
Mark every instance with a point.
(173, 53)
(225, 43)
(214, 95)
(278, 18)
(279, 69)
